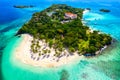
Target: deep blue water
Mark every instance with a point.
(103, 67)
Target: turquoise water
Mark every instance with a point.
(102, 67)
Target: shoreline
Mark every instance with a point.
(22, 54)
(86, 11)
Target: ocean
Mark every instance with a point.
(105, 66)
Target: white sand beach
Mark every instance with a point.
(86, 11)
(23, 54)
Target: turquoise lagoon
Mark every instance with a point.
(102, 67)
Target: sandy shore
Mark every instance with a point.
(86, 11)
(23, 54)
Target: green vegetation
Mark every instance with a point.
(64, 33)
(104, 10)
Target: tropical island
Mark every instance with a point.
(58, 34)
(23, 6)
(104, 10)
(88, 8)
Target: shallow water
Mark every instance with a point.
(101, 67)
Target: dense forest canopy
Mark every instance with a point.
(61, 27)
